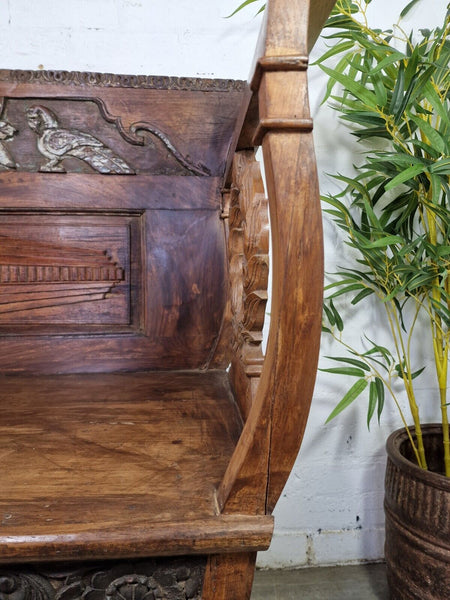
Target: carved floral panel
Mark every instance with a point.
(157, 579)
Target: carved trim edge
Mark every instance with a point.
(154, 82)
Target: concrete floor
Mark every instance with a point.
(361, 582)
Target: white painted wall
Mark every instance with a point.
(331, 509)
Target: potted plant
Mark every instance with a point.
(392, 88)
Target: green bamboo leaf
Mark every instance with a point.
(363, 294)
(337, 317)
(339, 68)
(355, 391)
(329, 315)
(376, 348)
(385, 241)
(363, 118)
(432, 152)
(379, 89)
(435, 188)
(336, 49)
(399, 89)
(241, 6)
(345, 290)
(436, 102)
(351, 361)
(411, 66)
(350, 371)
(373, 401)
(406, 175)
(417, 373)
(388, 60)
(441, 166)
(430, 132)
(408, 7)
(358, 90)
(380, 395)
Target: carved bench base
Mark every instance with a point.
(153, 579)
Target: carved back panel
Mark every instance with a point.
(112, 251)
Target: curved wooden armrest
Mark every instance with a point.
(276, 420)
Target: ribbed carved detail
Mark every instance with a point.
(249, 267)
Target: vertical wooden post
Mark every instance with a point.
(273, 431)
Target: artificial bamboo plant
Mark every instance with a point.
(392, 88)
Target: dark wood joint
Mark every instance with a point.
(277, 63)
(282, 126)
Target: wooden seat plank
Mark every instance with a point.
(110, 455)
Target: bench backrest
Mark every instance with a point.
(112, 249)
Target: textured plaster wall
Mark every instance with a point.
(331, 509)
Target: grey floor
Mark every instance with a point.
(361, 582)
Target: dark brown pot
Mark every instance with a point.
(417, 508)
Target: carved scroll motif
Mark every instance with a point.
(249, 266)
(36, 275)
(135, 133)
(159, 579)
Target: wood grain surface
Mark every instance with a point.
(116, 464)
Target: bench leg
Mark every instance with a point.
(229, 576)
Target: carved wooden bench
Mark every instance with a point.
(133, 273)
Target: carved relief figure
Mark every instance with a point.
(57, 143)
(7, 132)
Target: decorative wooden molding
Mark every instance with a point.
(159, 579)
(35, 275)
(277, 63)
(249, 267)
(281, 125)
(155, 82)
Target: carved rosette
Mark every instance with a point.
(24, 586)
(249, 269)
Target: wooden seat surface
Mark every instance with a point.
(103, 456)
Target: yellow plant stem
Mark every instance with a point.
(395, 326)
(441, 358)
(387, 383)
(440, 347)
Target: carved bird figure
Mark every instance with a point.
(7, 132)
(56, 144)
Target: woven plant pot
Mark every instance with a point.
(417, 508)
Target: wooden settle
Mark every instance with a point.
(144, 438)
